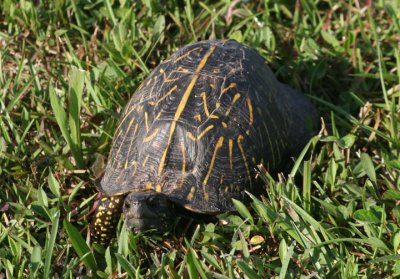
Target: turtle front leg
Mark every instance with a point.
(106, 218)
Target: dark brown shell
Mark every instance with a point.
(198, 126)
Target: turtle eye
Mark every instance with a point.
(153, 201)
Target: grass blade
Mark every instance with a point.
(243, 211)
(80, 246)
(368, 166)
(77, 79)
(50, 244)
(126, 265)
(60, 115)
(285, 263)
(36, 259)
(307, 186)
(250, 273)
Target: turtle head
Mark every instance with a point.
(148, 210)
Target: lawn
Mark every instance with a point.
(68, 68)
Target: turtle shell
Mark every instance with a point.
(199, 125)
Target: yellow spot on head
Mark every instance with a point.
(99, 214)
(161, 71)
(197, 117)
(224, 125)
(158, 188)
(109, 213)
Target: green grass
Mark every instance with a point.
(67, 68)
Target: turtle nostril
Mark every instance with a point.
(127, 205)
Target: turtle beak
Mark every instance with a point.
(148, 210)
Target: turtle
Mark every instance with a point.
(193, 133)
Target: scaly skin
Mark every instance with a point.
(106, 218)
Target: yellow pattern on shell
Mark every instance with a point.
(217, 147)
(182, 105)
